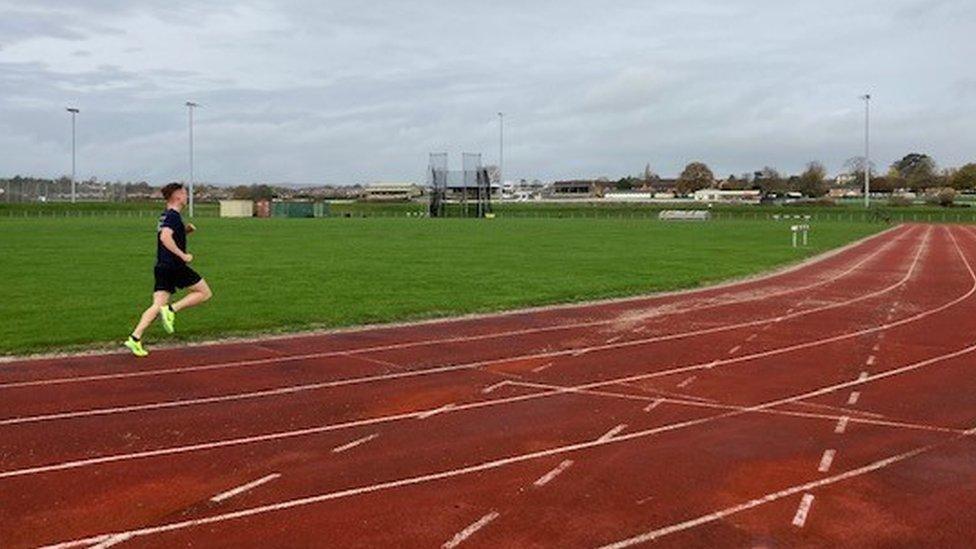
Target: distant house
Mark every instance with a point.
(391, 192)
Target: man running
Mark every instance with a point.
(172, 271)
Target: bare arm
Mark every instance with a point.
(166, 237)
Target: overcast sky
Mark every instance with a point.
(329, 91)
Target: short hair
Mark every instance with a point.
(171, 188)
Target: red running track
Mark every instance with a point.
(833, 404)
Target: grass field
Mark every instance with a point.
(70, 282)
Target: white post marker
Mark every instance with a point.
(799, 230)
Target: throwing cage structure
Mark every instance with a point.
(468, 190)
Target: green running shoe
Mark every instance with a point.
(168, 318)
(136, 347)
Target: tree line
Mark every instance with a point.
(915, 172)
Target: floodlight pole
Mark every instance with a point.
(867, 149)
(190, 105)
(74, 113)
(501, 152)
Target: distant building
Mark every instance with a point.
(580, 189)
(719, 195)
(391, 192)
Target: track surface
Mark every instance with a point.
(830, 405)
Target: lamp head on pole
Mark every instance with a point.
(191, 104)
(72, 110)
(866, 97)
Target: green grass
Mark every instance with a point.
(70, 282)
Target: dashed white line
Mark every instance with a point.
(542, 367)
(870, 361)
(753, 336)
(354, 443)
(826, 460)
(547, 478)
(876, 347)
(841, 425)
(614, 339)
(459, 538)
(863, 377)
(652, 405)
(803, 510)
(612, 433)
(244, 488)
(498, 385)
(735, 349)
(113, 540)
(687, 382)
(639, 329)
(428, 413)
(855, 395)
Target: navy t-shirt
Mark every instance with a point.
(173, 220)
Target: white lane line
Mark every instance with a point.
(870, 361)
(491, 388)
(841, 409)
(639, 329)
(687, 382)
(547, 478)
(803, 510)
(642, 501)
(459, 538)
(433, 412)
(841, 425)
(112, 541)
(354, 443)
(863, 377)
(290, 504)
(876, 347)
(654, 404)
(612, 433)
(713, 364)
(543, 367)
(771, 497)
(855, 395)
(826, 460)
(735, 349)
(244, 488)
(579, 352)
(752, 337)
(614, 339)
(766, 327)
(429, 342)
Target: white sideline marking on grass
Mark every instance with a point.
(614, 339)
(491, 388)
(735, 349)
(244, 488)
(354, 443)
(654, 404)
(687, 382)
(870, 361)
(855, 395)
(429, 342)
(826, 460)
(459, 538)
(543, 367)
(612, 433)
(546, 478)
(841, 425)
(428, 413)
(803, 510)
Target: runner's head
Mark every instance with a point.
(175, 194)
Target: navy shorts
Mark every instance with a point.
(169, 279)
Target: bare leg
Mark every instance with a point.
(199, 293)
(159, 301)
